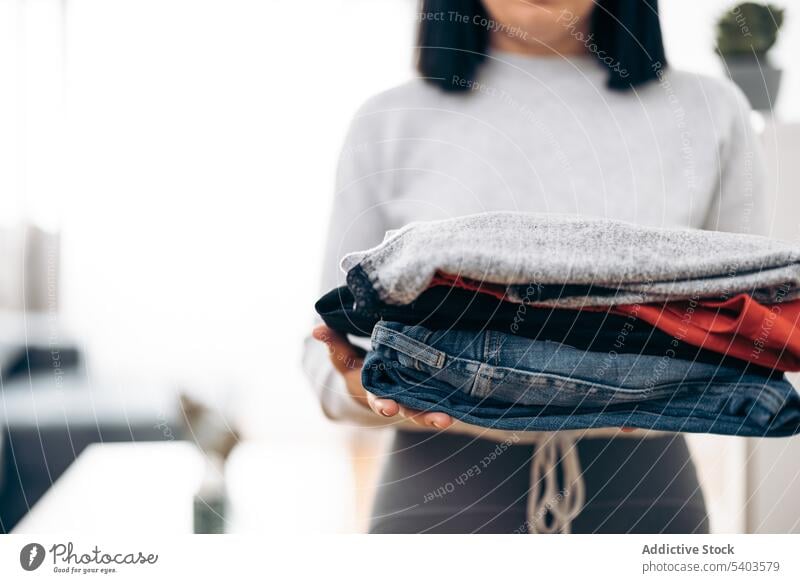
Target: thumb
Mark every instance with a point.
(344, 356)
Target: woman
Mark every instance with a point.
(548, 106)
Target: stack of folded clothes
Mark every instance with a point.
(545, 323)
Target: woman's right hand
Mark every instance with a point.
(348, 361)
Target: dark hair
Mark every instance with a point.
(453, 40)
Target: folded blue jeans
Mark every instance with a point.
(502, 381)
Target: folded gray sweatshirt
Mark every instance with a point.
(645, 264)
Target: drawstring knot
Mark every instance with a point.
(552, 509)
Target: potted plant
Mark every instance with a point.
(745, 34)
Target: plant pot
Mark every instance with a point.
(758, 79)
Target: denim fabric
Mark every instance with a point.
(459, 309)
(499, 380)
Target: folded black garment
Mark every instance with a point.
(368, 300)
(443, 308)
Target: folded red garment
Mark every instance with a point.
(446, 279)
(741, 327)
(767, 335)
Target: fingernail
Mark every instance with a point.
(384, 411)
(436, 425)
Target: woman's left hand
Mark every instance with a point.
(348, 361)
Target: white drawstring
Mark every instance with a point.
(561, 505)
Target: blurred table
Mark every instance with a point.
(134, 488)
(48, 419)
(283, 484)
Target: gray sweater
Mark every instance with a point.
(624, 263)
(539, 134)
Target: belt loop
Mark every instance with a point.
(409, 346)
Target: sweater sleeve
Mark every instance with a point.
(357, 221)
(739, 204)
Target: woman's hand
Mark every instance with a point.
(348, 360)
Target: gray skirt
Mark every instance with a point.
(448, 483)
